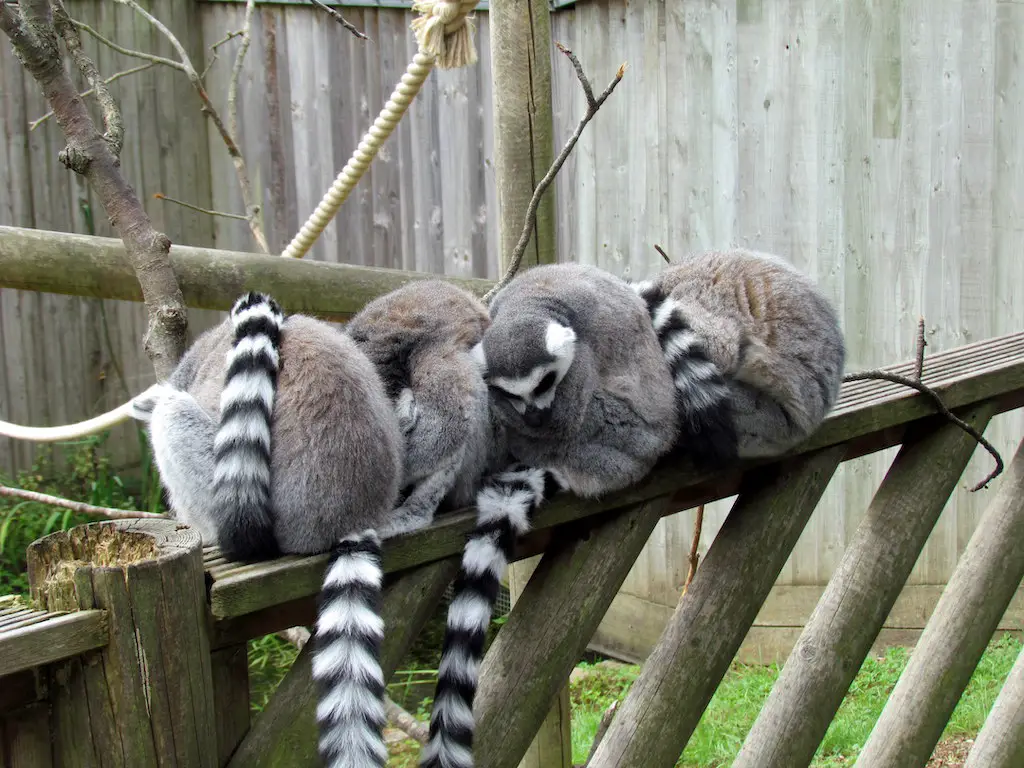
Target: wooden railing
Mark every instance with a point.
(133, 651)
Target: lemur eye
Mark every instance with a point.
(545, 384)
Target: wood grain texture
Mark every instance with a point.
(874, 568)
(985, 580)
(285, 734)
(141, 700)
(230, 670)
(41, 638)
(1000, 743)
(532, 656)
(666, 701)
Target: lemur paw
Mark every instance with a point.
(406, 411)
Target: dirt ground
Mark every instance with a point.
(951, 753)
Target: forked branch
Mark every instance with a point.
(593, 105)
(340, 19)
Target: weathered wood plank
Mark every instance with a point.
(1000, 743)
(149, 700)
(285, 734)
(984, 582)
(861, 593)
(666, 702)
(210, 279)
(238, 590)
(230, 669)
(52, 639)
(532, 656)
(25, 738)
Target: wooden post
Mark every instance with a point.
(967, 614)
(1000, 744)
(861, 593)
(285, 734)
(145, 699)
(666, 702)
(548, 630)
(520, 37)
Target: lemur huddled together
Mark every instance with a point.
(283, 434)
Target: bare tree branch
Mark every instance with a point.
(214, 57)
(207, 211)
(340, 19)
(116, 76)
(593, 104)
(185, 65)
(236, 73)
(91, 155)
(698, 525)
(112, 120)
(150, 57)
(76, 506)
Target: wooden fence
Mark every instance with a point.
(133, 651)
(871, 144)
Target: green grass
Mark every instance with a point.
(738, 700)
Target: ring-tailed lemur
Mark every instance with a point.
(756, 350)
(295, 450)
(585, 396)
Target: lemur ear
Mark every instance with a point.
(476, 354)
(559, 339)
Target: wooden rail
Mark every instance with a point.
(89, 665)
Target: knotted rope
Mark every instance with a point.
(444, 33)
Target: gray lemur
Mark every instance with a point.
(295, 449)
(756, 351)
(585, 396)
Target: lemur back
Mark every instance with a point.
(756, 349)
(584, 395)
(419, 338)
(294, 449)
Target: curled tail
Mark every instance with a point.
(505, 506)
(708, 432)
(241, 479)
(346, 656)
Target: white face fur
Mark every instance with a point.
(537, 389)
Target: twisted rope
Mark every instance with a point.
(444, 33)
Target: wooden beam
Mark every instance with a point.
(977, 595)
(80, 265)
(286, 733)
(39, 637)
(1000, 743)
(964, 376)
(548, 630)
(147, 695)
(665, 703)
(860, 594)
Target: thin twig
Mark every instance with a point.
(664, 255)
(213, 52)
(151, 57)
(207, 211)
(694, 558)
(340, 19)
(924, 389)
(241, 170)
(531, 211)
(77, 506)
(116, 76)
(236, 71)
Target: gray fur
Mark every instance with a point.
(332, 473)
(770, 332)
(612, 412)
(419, 338)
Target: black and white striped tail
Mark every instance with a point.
(346, 657)
(708, 433)
(505, 506)
(241, 478)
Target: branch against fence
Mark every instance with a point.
(593, 105)
(94, 156)
(75, 506)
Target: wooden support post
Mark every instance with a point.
(146, 698)
(231, 697)
(520, 32)
(1000, 744)
(286, 734)
(549, 628)
(861, 593)
(666, 702)
(967, 614)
